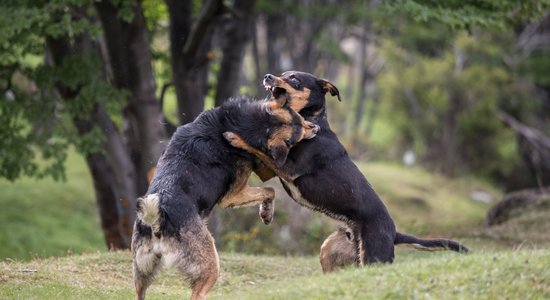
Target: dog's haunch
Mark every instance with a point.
(338, 250)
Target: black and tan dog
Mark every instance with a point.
(198, 170)
(339, 249)
(320, 175)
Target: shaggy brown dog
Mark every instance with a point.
(198, 170)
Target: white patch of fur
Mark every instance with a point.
(149, 212)
(171, 254)
(146, 258)
(420, 247)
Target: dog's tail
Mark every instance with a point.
(148, 211)
(429, 244)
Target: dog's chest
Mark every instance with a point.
(296, 194)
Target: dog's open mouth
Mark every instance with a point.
(275, 90)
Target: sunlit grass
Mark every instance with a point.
(427, 203)
(44, 217)
(444, 275)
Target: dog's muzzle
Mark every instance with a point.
(314, 130)
(270, 84)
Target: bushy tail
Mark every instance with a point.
(429, 244)
(148, 211)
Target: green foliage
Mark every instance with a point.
(125, 9)
(37, 125)
(155, 12)
(469, 13)
(445, 104)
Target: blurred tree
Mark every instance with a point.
(190, 45)
(80, 72)
(75, 84)
(236, 33)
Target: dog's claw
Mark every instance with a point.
(266, 212)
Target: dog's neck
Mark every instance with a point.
(247, 120)
(317, 116)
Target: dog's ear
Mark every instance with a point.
(327, 86)
(279, 154)
(349, 235)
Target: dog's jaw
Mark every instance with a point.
(275, 91)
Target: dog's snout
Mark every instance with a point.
(312, 128)
(268, 77)
(315, 128)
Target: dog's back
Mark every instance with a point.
(327, 180)
(198, 170)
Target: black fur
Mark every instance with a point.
(331, 183)
(198, 170)
(199, 166)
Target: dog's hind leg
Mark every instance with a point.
(376, 244)
(146, 265)
(198, 258)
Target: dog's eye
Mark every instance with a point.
(294, 80)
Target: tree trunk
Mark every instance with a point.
(112, 172)
(256, 57)
(273, 34)
(236, 36)
(130, 57)
(189, 48)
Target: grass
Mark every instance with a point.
(428, 204)
(45, 218)
(530, 227)
(442, 275)
(41, 218)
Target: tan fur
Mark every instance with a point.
(338, 251)
(276, 139)
(149, 211)
(193, 254)
(240, 195)
(151, 173)
(273, 107)
(238, 142)
(263, 172)
(298, 98)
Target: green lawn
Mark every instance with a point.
(45, 218)
(40, 219)
(424, 203)
(441, 275)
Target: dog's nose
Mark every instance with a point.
(268, 77)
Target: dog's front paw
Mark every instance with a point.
(267, 209)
